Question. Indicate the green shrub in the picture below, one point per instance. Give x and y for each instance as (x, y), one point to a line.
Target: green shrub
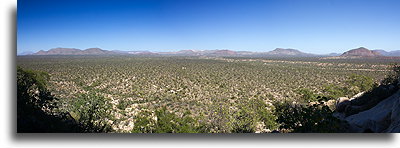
(306, 95)
(360, 83)
(334, 91)
(298, 118)
(163, 121)
(123, 104)
(91, 111)
(244, 121)
(219, 118)
(144, 123)
(264, 113)
(249, 114)
(32, 88)
(393, 76)
(355, 84)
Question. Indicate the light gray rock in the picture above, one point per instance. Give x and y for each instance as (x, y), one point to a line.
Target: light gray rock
(395, 118)
(357, 96)
(384, 117)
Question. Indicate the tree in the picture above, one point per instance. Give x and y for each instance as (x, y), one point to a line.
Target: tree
(91, 111)
(298, 118)
(306, 94)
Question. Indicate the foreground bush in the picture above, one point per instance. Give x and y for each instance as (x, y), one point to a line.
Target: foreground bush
(245, 116)
(92, 111)
(300, 118)
(31, 89)
(251, 114)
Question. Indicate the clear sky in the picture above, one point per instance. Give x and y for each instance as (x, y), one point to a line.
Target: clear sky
(314, 26)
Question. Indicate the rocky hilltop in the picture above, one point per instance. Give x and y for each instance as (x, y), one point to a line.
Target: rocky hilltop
(361, 52)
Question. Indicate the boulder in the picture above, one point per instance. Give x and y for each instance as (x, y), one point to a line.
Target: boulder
(331, 104)
(342, 103)
(395, 118)
(364, 101)
(384, 117)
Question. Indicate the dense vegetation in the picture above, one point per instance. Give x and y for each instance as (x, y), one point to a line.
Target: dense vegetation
(37, 108)
(190, 95)
(312, 118)
(35, 104)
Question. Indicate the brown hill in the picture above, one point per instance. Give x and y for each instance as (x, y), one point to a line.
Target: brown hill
(361, 52)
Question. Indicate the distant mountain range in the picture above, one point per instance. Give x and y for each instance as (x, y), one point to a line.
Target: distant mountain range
(386, 53)
(73, 51)
(278, 52)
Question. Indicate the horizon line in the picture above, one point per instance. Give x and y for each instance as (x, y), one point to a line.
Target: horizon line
(177, 50)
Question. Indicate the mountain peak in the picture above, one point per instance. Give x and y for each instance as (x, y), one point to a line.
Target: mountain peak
(361, 48)
(360, 52)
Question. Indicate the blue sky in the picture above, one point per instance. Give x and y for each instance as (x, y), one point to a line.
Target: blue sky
(314, 26)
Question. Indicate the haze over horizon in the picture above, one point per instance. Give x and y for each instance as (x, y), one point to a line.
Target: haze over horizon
(312, 26)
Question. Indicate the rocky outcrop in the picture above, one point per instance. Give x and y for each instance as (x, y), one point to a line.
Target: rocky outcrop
(374, 115)
(364, 100)
(384, 117)
(394, 127)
